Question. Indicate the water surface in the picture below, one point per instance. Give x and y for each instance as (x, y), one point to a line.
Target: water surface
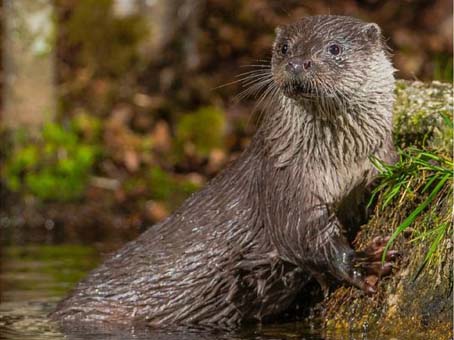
(34, 278)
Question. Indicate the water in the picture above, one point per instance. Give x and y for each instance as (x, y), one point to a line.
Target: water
(34, 278)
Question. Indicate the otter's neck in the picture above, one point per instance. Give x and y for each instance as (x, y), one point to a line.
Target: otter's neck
(338, 131)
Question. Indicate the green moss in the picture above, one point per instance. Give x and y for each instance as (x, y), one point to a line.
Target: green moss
(200, 132)
(419, 114)
(56, 167)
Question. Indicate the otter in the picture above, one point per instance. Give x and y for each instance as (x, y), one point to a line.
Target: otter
(243, 247)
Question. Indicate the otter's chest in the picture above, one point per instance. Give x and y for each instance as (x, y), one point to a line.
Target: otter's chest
(333, 183)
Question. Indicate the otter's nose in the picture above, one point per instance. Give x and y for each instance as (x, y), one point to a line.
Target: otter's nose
(297, 65)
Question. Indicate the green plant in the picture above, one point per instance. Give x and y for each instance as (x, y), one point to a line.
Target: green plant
(169, 189)
(161, 184)
(202, 131)
(443, 68)
(56, 167)
(424, 175)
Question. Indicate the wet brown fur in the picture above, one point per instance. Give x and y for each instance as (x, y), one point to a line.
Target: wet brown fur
(245, 245)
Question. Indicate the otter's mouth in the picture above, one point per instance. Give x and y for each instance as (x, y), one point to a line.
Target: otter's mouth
(299, 90)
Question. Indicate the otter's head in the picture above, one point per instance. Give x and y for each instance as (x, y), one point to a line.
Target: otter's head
(338, 57)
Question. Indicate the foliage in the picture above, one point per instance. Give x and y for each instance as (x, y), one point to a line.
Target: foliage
(418, 175)
(106, 43)
(423, 127)
(443, 68)
(200, 132)
(160, 183)
(164, 187)
(58, 166)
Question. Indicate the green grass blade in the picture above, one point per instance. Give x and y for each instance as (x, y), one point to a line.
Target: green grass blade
(433, 247)
(429, 183)
(447, 120)
(415, 213)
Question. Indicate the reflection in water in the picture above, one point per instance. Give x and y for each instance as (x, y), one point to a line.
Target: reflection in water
(34, 278)
(27, 320)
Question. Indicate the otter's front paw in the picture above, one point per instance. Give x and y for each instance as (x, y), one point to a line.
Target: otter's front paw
(369, 263)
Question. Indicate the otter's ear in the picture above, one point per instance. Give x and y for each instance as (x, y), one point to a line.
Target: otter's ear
(372, 31)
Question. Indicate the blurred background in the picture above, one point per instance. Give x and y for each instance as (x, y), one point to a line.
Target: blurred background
(112, 111)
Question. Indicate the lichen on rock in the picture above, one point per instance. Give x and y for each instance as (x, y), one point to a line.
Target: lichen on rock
(419, 114)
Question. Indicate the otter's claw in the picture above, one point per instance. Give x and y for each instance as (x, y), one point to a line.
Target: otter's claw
(369, 262)
(362, 269)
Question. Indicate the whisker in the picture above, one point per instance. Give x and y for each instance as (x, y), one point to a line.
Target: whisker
(253, 89)
(254, 72)
(244, 79)
(265, 96)
(257, 66)
(257, 83)
(268, 99)
(259, 69)
(263, 60)
(249, 81)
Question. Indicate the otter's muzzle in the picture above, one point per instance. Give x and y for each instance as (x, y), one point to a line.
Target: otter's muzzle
(296, 65)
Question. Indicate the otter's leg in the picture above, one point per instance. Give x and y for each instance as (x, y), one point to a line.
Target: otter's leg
(361, 269)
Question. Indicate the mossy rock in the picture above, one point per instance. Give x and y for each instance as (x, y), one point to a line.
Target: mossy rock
(416, 301)
(420, 114)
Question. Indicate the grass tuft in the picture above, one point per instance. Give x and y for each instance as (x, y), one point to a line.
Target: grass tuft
(423, 177)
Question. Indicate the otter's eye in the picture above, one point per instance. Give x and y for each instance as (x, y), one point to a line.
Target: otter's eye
(284, 49)
(334, 49)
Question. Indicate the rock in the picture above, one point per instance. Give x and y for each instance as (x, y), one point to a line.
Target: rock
(419, 114)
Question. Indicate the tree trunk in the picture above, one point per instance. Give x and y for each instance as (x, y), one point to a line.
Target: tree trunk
(28, 63)
(168, 21)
